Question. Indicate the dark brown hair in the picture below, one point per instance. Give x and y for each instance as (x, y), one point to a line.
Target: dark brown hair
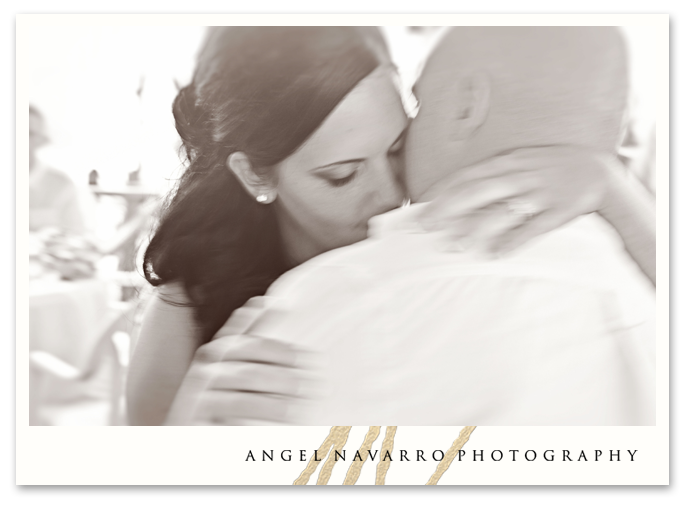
(261, 91)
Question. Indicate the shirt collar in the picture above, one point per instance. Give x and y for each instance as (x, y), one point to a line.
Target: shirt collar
(402, 219)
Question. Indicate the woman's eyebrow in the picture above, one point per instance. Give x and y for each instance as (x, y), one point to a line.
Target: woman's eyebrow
(341, 162)
(358, 160)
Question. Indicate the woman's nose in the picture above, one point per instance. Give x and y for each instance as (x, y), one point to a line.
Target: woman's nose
(387, 185)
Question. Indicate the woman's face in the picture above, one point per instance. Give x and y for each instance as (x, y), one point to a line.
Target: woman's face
(346, 173)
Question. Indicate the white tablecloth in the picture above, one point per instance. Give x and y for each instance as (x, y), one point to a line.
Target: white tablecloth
(65, 317)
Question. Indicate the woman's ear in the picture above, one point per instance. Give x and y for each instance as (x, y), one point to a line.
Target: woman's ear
(472, 103)
(259, 188)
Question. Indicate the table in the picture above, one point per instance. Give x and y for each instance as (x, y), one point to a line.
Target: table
(65, 317)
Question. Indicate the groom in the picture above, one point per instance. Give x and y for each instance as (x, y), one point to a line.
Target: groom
(410, 329)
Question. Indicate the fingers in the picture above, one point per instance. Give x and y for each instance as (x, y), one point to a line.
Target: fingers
(482, 228)
(248, 349)
(459, 202)
(261, 378)
(236, 408)
(532, 228)
(229, 392)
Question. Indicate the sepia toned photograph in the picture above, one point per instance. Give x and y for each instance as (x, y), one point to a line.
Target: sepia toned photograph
(341, 225)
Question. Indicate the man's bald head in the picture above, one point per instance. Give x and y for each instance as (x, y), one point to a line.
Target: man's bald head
(486, 90)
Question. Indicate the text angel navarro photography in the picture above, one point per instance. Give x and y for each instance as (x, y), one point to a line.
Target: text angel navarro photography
(439, 455)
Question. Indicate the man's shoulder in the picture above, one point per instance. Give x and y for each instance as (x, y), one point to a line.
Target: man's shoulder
(582, 257)
(328, 269)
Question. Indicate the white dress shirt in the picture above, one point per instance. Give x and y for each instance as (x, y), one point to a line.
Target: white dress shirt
(405, 332)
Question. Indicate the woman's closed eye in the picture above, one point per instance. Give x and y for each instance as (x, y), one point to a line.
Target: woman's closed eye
(341, 174)
(344, 180)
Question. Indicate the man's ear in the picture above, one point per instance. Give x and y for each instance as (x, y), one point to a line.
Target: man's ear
(472, 104)
(259, 188)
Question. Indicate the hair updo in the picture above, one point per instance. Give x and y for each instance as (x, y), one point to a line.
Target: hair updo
(261, 91)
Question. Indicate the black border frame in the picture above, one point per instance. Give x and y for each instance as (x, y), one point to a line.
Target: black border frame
(472, 491)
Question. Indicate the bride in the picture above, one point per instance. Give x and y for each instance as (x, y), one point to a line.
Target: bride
(293, 137)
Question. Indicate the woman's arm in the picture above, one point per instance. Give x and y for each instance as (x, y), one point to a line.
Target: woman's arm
(559, 184)
(167, 343)
(631, 210)
(175, 379)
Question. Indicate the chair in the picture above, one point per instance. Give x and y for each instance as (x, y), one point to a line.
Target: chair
(62, 394)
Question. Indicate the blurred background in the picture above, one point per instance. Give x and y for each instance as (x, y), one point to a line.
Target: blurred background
(104, 154)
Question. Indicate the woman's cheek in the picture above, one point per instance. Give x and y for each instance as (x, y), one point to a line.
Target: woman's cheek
(337, 215)
(351, 208)
(332, 215)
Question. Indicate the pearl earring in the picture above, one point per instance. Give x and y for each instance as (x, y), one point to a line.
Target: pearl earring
(263, 198)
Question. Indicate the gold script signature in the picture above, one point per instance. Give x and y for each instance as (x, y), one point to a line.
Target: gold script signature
(337, 438)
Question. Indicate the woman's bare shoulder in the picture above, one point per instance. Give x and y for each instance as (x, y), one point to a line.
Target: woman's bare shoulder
(170, 317)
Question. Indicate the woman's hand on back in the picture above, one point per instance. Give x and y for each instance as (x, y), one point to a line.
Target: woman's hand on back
(500, 204)
(239, 380)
